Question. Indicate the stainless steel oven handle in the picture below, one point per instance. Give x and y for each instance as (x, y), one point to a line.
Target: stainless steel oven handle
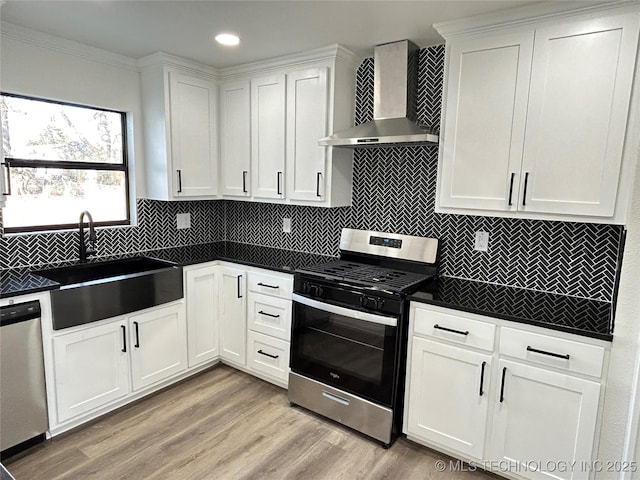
(335, 398)
(347, 312)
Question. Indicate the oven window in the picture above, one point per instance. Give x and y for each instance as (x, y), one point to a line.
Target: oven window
(354, 355)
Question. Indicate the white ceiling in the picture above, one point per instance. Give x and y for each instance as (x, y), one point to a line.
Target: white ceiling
(267, 28)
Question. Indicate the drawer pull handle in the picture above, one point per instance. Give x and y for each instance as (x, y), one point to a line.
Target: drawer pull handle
(239, 279)
(268, 354)
(484, 364)
(335, 398)
(459, 332)
(504, 376)
(260, 284)
(268, 314)
(551, 354)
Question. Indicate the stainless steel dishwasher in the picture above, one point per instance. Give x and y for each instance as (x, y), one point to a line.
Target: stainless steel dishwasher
(23, 399)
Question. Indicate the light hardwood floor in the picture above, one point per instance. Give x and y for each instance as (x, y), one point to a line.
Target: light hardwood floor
(224, 424)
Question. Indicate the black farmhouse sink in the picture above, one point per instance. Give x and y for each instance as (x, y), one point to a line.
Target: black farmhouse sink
(94, 291)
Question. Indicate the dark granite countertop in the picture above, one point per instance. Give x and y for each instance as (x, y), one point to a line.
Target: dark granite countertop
(591, 318)
(20, 281)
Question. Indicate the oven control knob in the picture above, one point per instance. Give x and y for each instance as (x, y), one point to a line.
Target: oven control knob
(372, 303)
(313, 290)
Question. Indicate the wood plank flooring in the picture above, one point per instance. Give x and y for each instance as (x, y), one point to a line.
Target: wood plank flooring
(224, 425)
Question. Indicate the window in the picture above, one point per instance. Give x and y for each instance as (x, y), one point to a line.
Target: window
(62, 159)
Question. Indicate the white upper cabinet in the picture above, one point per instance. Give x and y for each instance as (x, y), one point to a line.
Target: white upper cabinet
(535, 117)
(581, 79)
(235, 128)
(307, 93)
(180, 124)
(268, 136)
(272, 115)
(485, 121)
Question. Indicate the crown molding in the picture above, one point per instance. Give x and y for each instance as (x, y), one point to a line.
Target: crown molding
(528, 15)
(69, 47)
(328, 53)
(166, 59)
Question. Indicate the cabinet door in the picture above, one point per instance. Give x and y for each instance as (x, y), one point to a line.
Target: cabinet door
(202, 318)
(580, 88)
(233, 315)
(267, 136)
(486, 104)
(158, 342)
(194, 148)
(544, 415)
(91, 368)
(307, 99)
(235, 151)
(448, 413)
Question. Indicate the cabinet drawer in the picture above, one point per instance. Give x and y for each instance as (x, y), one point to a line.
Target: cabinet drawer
(556, 352)
(269, 315)
(268, 355)
(272, 285)
(446, 326)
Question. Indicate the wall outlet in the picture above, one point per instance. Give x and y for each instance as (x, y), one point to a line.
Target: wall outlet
(482, 241)
(286, 225)
(183, 220)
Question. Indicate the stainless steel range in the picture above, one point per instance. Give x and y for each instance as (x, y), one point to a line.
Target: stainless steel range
(349, 335)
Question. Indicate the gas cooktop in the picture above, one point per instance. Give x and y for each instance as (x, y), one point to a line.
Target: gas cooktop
(367, 275)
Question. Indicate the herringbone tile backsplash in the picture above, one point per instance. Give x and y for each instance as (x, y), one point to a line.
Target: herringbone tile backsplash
(394, 191)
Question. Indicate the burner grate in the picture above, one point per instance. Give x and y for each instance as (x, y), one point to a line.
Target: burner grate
(368, 275)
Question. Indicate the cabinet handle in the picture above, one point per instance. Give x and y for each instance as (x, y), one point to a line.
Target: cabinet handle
(137, 344)
(279, 183)
(551, 354)
(244, 181)
(459, 332)
(267, 285)
(268, 354)
(511, 188)
(484, 364)
(268, 314)
(179, 181)
(8, 192)
(504, 376)
(524, 195)
(124, 339)
(319, 174)
(238, 280)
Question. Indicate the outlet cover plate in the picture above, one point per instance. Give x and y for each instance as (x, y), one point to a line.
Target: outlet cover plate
(183, 220)
(286, 225)
(482, 241)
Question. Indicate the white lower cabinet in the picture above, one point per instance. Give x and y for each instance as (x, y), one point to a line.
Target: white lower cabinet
(447, 378)
(233, 315)
(98, 365)
(158, 342)
(91, 368)
(544, 416)
(201, 285)
(518, 402)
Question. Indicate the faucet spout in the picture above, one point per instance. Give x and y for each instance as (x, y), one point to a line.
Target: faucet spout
(85, 250)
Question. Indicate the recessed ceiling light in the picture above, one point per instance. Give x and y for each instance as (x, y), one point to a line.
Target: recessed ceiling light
(227, 39)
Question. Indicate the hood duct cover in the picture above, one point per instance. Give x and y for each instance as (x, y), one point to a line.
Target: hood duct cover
(395, 85)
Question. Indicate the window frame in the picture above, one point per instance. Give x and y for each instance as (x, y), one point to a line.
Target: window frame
(67, 165)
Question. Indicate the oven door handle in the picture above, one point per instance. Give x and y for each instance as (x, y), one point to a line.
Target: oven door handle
(346, 312)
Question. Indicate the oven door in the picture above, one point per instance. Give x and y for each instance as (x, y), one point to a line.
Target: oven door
(348, 349)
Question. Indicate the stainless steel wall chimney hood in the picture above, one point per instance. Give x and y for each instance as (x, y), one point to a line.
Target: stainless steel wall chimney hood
(395, 85)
